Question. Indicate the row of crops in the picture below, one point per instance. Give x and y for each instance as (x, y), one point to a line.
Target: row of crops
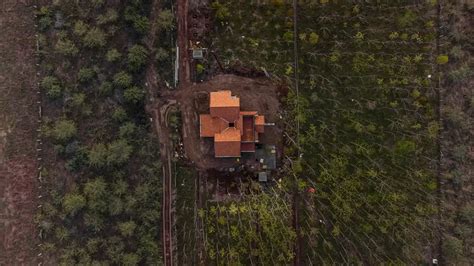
(366, 112)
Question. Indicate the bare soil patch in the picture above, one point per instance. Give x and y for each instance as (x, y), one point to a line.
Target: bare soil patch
(18, 124)
(255, 94)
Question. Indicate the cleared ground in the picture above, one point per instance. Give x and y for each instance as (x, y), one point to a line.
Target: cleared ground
(18, 123)
(255, 94)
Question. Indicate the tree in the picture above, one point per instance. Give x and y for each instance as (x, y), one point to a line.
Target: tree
(66, 47)
(127, 228)
(119, 152)
(86, 74)
(122, 80)
(127, 130)
(95, 191)
(98, 155)
(113, 55)
(166, 19)
(80, 28)
(130, 259)
(442, 59)
(73, 202)
(52, 87)
(110, 15)
(94, 38)
(64, 130)
(137, 56)
(452, 248)
(134, 94)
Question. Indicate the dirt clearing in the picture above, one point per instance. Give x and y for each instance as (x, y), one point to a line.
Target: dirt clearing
(255, 94)
(18, 124)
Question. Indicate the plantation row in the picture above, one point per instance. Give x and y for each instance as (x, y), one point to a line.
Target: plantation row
(103, 172)
(366, 115)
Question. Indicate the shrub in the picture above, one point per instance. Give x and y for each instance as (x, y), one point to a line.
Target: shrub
(64, 130)
(134, 95)
(137, 56)
(113, 55)
(73, 202)
(66, 47)
(95, 37)
(122, 79)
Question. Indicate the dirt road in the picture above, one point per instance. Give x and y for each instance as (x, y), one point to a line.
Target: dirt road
(18, 124)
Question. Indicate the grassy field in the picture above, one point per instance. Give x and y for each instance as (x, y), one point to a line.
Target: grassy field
(366, 113)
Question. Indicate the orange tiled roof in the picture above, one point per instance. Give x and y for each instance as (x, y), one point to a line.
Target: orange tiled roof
(211, 125)
(230, 139)
(224, 99)
(230, 134)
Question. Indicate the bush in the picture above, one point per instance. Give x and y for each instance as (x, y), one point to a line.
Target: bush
(73, 202)
(137, 56)
(66, 47)
(134, 95)
(64, 130)
(95, 37)
(122, 79)
(113, 55)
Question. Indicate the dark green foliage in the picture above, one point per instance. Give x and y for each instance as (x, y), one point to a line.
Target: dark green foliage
(86, 74)
(137, 57)
(94, 38)
(122, 80)
(134, 94)
(63, 130)
(52, 86)
(73, 203)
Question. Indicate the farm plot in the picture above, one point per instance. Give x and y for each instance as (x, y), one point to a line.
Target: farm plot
(18, 125)
(365, 118)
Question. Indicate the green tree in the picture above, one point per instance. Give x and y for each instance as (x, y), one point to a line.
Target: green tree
(452, 248)
(134, 94)
(86, 74)
(119, 152)
(95, 37)
(73, 202)
(127, 130)
(66, 47)
(130, 259)
(52, 87)
(137, 57)
(95, 191)
(122, 80)
(98, 155)
(80, 28)
(166, 19)
(64, 130)
(113, 55)
(127, 228)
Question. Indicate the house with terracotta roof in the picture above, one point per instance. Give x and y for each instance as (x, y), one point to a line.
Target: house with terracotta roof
(234, 131)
